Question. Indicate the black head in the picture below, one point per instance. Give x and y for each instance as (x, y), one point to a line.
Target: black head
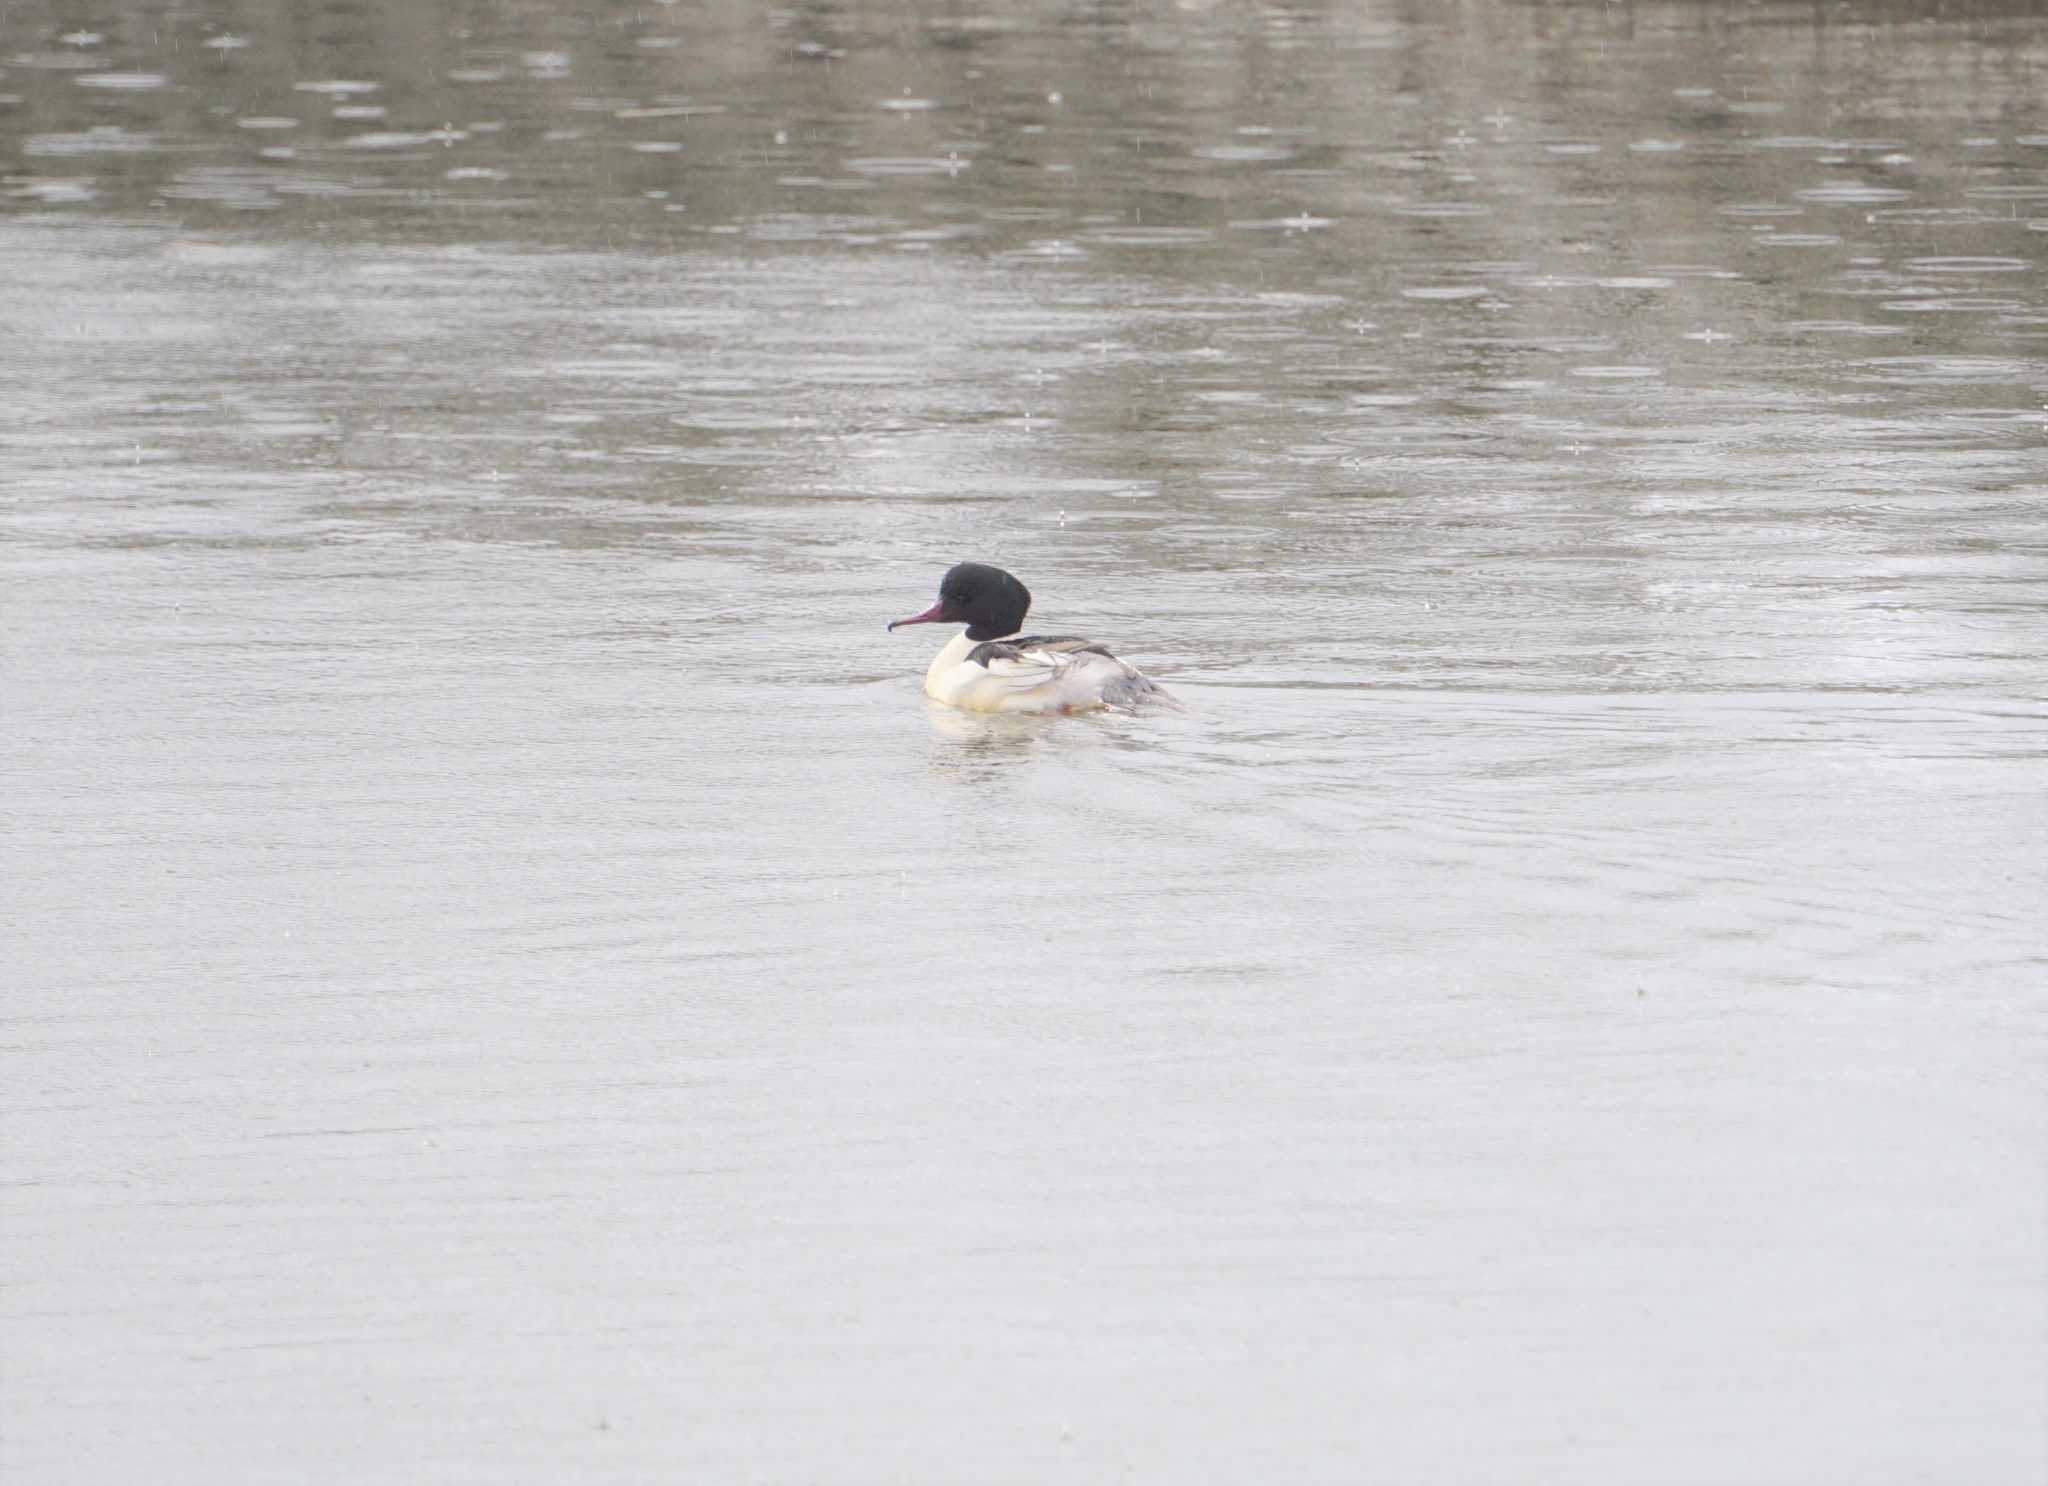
(987, 600)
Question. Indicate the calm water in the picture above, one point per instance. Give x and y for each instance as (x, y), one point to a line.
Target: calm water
(509, 981)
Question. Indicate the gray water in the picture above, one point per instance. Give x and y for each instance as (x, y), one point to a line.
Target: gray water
(508, 979)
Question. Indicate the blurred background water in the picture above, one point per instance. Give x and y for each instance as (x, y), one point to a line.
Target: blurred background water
(509, 980)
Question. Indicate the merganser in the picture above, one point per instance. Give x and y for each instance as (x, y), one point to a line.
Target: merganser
(992, 668)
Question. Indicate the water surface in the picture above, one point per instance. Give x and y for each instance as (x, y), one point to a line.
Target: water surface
(508, 980)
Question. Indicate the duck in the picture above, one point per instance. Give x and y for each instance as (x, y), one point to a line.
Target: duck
(991, 667)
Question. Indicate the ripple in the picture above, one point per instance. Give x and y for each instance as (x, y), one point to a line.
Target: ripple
(1617, 373)
(103, 139)
(2007, 193)
(906, 165)
(1053, 248)
(219, 254)
(1943, 369)
(1933, 216)
(1238, 154)
(1952, 304)
(1302, 223)
(670, 111)
(1841, 327)
(1851, 193)
(1443, 209)
(1248, 485)
(122, 82)
(1447, 291)
(737, 420)
(235, 187)
(55, 190)
(336, 87)
(1968, 265)
(1151, 237)
(312, 185)
(52, 61)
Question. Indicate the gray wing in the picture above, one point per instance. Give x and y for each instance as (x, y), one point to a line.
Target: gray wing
(990, 650)
(1030, 660)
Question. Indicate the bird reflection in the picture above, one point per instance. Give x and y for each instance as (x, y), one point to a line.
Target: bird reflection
(983, 747)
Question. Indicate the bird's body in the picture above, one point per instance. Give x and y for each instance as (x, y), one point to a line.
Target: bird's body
(1034, 673)
(989, 667)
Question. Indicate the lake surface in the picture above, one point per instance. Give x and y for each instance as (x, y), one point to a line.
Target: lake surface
(508, 979)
